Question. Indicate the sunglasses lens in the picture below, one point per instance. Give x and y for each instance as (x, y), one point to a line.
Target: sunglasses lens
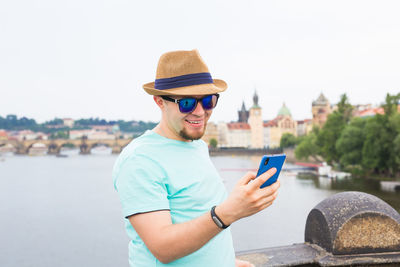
(209, 102)
(187, 105)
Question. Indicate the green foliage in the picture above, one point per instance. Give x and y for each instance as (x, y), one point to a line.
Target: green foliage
(396, 149)
(332, 129)
(288, 140)
(55, 121)
(390, 105)
(60, 135)
(135, 127)
(361, 145)
(345, 108)
(308, 147)
(93, 121)
(12, 123)
(213, 142)
(350, 143)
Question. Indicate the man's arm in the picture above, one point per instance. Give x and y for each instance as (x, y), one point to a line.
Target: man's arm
(169, 242)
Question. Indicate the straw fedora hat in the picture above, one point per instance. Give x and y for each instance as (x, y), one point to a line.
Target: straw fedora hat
(183, 73)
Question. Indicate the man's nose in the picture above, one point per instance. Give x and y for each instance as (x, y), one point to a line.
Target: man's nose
(199, 110)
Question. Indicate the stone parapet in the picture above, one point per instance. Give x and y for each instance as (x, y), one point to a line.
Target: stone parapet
(346, 229)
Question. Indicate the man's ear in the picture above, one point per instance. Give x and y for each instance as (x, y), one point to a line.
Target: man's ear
(159, 101)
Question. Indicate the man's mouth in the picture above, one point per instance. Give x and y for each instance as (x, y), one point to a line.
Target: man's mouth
(193, 122)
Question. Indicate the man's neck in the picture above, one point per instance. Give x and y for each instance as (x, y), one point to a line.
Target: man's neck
(166, 132)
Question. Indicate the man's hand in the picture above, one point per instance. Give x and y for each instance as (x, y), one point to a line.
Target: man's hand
(247, 198)
(240, 263)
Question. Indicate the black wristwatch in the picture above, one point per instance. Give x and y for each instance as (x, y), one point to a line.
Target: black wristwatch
(217, 220)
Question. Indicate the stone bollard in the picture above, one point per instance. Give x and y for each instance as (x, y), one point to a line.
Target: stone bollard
(354, 223)
(346, 229)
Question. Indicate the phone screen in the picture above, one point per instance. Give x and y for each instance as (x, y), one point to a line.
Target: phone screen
(268, 162)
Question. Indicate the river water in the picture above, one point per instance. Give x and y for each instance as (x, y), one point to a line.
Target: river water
(65, 212)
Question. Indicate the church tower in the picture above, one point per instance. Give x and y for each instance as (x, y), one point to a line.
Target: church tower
(256, 124)
(243, 114)
(321, 108)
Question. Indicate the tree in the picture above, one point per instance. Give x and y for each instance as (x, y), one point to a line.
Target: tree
(213, 142)
(380, 150)
(55, 121)
(60, 135)
(374, 154)
(288, 140)
(350, 143)
(391, 103)
(11, 122)
(332, 129)
(308, 147)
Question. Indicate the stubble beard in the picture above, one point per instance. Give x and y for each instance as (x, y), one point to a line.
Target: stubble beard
(185, 135)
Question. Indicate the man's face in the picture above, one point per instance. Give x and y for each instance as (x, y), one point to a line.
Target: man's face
(185, 126)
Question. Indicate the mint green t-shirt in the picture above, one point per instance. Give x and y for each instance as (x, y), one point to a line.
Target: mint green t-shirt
(157, 173)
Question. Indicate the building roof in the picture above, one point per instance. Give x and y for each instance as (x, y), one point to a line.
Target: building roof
(321, 101)
(304, 121)
(371, 112)
(271, 123)
(102, 127)
(243, 107)
(238, 126)
(255, 100)
(284, 111)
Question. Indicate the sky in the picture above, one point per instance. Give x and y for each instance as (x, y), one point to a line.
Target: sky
(90, 58)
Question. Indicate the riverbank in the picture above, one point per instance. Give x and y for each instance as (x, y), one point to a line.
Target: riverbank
(243, 151)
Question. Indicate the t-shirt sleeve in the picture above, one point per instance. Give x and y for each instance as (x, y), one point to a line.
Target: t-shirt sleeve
(139, 183)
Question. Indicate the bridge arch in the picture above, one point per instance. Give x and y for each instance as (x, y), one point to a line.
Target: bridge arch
(38, 148)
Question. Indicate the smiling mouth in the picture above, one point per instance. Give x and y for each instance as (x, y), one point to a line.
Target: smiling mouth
(193, 122)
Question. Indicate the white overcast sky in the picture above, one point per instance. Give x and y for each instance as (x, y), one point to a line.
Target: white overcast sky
(89, 58)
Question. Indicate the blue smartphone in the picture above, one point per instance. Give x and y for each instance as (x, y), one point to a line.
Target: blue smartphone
(268, 162)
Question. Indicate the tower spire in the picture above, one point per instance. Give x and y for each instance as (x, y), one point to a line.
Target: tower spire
(255, 99)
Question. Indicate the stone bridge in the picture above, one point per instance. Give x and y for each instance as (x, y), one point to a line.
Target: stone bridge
(54, 146)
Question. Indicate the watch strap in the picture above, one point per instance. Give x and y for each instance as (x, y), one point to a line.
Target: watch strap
(217, 220)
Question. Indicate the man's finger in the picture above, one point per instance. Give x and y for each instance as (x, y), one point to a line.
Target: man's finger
(247, 178)
(263, 178)
(268, 190)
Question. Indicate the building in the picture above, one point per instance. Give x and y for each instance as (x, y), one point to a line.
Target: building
(243, 114)
(29, 135)
(3, 135)
(281, 124)
(238, 134)
(321, 108)
(78, 134)
(304, 127)
(67, 122)
(256, 124)
(369, 112)
(255, 133)
(100, 135)
(250, 131)
(211, 133)
(91, 134)
(364, 111)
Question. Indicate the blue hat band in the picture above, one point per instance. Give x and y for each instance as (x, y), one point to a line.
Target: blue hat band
(183, 80)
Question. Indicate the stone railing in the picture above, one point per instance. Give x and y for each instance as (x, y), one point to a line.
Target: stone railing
(346, 229)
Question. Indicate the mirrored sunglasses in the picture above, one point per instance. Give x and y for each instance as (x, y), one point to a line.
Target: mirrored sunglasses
(189, 104)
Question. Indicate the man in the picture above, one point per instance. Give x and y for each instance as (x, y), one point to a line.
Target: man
(176, 208)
